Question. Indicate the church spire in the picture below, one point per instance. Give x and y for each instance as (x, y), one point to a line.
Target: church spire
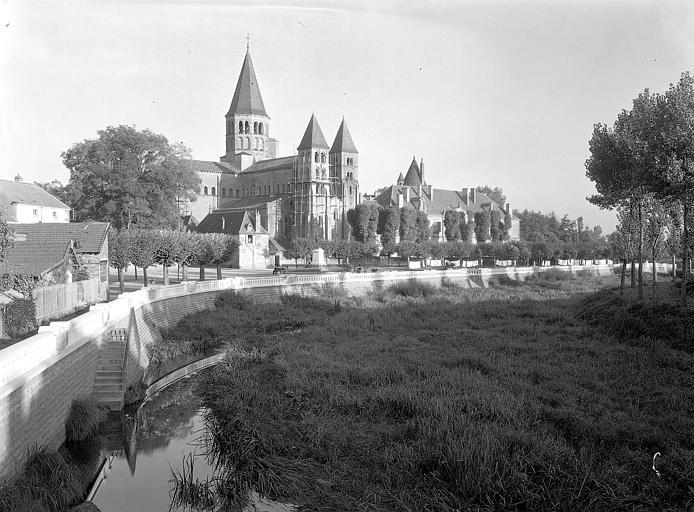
(247, 98)
(313, 136)
(343, 140)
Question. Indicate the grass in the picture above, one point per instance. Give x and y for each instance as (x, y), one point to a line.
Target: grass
(84, 419)
(508, 398)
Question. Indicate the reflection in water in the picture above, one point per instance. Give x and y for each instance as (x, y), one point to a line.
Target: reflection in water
(167, 435)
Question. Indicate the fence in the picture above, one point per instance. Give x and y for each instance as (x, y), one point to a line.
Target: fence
(61, 299)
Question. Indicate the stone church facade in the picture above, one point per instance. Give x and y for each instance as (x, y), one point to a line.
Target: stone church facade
(305, 195)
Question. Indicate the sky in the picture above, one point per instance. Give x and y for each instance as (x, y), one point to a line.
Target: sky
(493, 93)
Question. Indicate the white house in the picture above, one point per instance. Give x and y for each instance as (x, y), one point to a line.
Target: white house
(28, 203)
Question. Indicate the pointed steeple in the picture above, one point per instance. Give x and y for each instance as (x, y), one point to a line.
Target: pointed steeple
(247, 98)
(343, 140)
(413, 176)
(401, 180)
(313, 136)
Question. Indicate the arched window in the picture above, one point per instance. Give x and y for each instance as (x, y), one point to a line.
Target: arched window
(315, 157)
(255, 127)
(247, 144)
(240, 126)
(323, 174)
(239, 145)
(260, 128)
(237, 192)
(262, 145)
(350, 191)
(255, 144)
(322, 158)
(205, 191)
(317, 172)
(224, 192)
(283, 189)
(214, 191)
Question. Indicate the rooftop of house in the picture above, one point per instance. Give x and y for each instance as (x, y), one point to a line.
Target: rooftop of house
(230, 222)
(20, 192)
(88, 237)
(35, 258)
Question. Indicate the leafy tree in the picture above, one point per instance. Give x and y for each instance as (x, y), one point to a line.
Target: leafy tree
(452, 220)
(168, 248)
(497, 226)
(299, 248)
(421, 225)
(536, 226)
(482, 225)
(143, 248)
(119, 252)
(129, 177)
(363, 220)
(409, 249)
(408, 219)
(467, 229)
(495, 194)
(188, 247)
(658, 222)
(57, 189)
(389, 224)
(6, 238)
(222, 247)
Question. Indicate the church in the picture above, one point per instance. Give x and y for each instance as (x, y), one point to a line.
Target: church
(304, 195)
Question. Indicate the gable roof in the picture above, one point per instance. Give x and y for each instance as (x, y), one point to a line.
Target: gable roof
(231, 223)
(88, 236)
(343, 141)
(272, 164)
(414, 175)
(313, 136)
(13, 192)
(35, 257)
(247, 98)
(441, 201)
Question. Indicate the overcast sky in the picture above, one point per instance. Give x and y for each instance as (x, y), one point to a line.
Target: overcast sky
(497, 93)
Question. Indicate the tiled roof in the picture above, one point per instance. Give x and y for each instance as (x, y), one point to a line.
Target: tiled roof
(343, 141)
(313, 136)
(231, 223)
(206, 166)
(247, 98)
(248, 203)
(88, 236)
(34, 257)
(25, 193)
(442, 199)
(414, 175)
(272, 164)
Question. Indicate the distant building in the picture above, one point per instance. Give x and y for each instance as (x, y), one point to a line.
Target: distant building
(254, 240)
(29, 203)
(302, 195)
(413, 190)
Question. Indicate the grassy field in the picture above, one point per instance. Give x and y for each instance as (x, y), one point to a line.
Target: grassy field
(547, 395)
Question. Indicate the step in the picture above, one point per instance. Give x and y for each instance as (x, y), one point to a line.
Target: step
(109, 380)
(109, 395)
(103, 372)
(108, 386)
(110, 367)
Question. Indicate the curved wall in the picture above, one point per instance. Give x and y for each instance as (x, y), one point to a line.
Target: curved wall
(42, 375)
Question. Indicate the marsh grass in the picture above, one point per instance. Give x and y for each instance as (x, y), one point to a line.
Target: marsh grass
(84, 419)
(506, 398)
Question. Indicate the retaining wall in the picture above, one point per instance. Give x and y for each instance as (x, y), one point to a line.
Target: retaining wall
(42, 375)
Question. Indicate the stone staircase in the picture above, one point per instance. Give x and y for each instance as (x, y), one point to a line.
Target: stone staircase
(108, 387)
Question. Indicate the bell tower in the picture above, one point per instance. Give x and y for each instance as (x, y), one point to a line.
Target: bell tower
(313, 183)
(247, 122)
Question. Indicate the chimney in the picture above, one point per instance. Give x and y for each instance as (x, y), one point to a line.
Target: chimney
(508, 208)
(257, 220)
(401, 202)
(421, 169)
(18, 178)
(473, 196)
(464, 193)
(407, 194)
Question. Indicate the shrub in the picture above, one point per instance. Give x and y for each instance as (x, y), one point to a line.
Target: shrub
(20, 317)
(413, 288)
(135, 393)
(84, 419)
(233, 300)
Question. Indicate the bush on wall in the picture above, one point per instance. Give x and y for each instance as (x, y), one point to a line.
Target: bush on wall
(19, 317)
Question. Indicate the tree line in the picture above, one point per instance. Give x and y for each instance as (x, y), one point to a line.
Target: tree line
(146, 247)
(643, 167)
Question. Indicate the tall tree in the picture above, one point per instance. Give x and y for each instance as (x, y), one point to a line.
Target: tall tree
(6, 238)
(119, 252)
(129, 177)
(495, 194)
(421, 223)
(363, 219)
(408, 219)
(389, 225)
(451, 225)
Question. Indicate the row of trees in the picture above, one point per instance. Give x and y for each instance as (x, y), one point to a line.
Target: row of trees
(643, 166)
(542, 227)
(146, 247)
(521, 251)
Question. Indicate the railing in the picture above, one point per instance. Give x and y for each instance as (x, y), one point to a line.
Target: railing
(59, 299)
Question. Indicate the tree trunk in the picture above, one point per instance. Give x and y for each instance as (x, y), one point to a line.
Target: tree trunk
(202, 272)
(640, 290)
(165, 272)
(633, 273)
(623, 278)
(120, 279)
(135, 272)
(674, 267)
(219, 271)
(685, 253)
(185, 271)
(144, 275)
(655, 274)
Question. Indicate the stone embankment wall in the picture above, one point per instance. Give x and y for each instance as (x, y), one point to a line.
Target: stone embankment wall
(42, 375)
